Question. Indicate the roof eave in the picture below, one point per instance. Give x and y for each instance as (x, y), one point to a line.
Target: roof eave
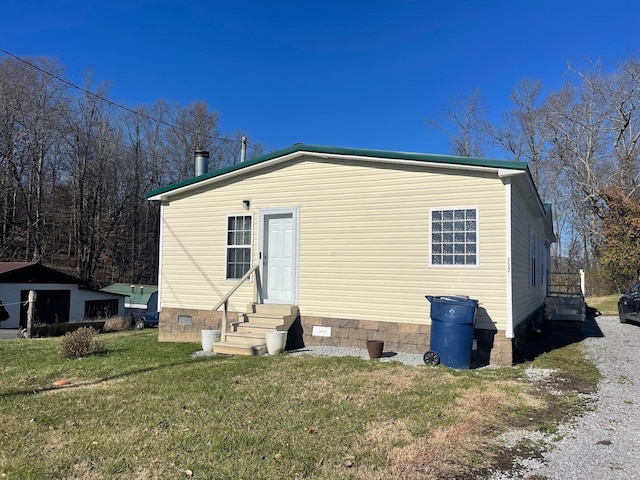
(398, 158)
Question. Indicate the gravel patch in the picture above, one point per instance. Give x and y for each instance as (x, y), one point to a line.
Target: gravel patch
(538, 374)
(603, 443)
(411, 359)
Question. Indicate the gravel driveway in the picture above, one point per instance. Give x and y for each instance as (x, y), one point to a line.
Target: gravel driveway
(603, 443)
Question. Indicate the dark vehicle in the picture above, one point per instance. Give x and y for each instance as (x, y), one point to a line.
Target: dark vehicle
(629, 305)
(148, 320)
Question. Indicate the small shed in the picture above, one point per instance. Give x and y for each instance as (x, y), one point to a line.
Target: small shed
(59, 297)
(137, 298)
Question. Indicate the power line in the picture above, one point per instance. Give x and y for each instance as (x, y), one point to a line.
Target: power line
(105, 99)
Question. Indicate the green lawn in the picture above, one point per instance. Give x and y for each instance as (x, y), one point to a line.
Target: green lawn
(147, 410)
(606, 305)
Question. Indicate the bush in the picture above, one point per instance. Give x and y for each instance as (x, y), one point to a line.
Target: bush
(599, 283)
(116, 324)
(80, 343)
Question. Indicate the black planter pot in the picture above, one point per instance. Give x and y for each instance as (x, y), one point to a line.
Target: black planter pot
(375, 347)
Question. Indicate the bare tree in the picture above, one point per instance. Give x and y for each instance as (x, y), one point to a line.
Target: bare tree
(577, 132)
(46, 101)
(525, 135)
(31, 104)
(466, 126)
(524, 130)
(195, 127)
(134, 250)
(620, 95)
(95, 175)
(13, 94)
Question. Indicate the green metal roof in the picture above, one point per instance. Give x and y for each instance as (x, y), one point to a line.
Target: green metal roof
(357, 152)
(124, 289)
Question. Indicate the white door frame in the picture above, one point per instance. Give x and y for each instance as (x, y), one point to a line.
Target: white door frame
(262, 237)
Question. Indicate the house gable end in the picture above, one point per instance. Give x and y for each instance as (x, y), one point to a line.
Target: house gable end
(335, 153)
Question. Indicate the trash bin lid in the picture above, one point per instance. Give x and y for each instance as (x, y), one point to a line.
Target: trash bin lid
(452, 299)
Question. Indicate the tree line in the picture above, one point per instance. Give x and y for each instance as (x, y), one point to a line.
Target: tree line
(581, 144)
(74, 168)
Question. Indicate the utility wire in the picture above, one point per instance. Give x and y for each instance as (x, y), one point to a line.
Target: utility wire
(104, 99)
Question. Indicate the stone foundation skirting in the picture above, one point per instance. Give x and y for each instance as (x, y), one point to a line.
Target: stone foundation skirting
(185, 325)
(493, 348)
(398, 337)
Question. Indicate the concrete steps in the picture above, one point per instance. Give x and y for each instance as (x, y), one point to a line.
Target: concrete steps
(248, 337)
(230, 348)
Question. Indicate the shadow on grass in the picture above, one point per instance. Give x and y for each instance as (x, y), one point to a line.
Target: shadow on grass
(556, 334)
(129, 373)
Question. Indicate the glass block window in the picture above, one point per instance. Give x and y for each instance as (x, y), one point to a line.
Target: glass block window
(239, 233)
(454, 237)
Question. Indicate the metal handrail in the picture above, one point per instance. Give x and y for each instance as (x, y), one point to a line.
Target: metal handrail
(575, 288)
(224, 302)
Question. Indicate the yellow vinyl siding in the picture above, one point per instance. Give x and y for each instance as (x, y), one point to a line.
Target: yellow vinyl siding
(364, 239)
(526, 298)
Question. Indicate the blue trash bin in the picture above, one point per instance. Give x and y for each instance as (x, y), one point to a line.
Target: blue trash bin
(452, 326)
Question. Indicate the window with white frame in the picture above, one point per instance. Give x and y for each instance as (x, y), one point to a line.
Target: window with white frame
(239, 232)
(454, 237)
(540, 261)
(535, 271)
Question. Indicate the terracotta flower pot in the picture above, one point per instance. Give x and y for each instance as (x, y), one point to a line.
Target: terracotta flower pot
(375, 347)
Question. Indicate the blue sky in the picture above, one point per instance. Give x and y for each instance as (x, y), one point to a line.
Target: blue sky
(341, 73)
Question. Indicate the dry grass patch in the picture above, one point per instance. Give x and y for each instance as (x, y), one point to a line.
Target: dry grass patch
(356, 385)
(75, 383)
(398, 379)
(116, 324)
(389, 434)
(441, 453)
(426, 423)
(477, 407)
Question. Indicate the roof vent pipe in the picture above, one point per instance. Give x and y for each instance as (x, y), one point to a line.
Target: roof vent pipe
(202, 162)
(243, 151)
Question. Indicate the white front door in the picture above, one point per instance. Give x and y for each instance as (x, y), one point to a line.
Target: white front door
(278, 255)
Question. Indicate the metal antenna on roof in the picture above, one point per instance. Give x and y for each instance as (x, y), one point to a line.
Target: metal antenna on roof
(243, 151)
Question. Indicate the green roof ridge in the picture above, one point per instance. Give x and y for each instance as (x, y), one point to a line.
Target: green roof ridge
(301, 147)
